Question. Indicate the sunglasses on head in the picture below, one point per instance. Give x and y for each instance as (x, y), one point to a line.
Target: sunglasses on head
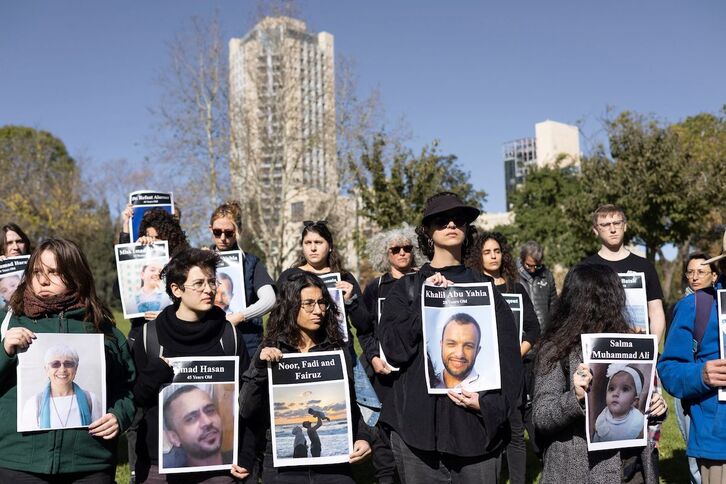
(310, 223)
(227, 233)
(66, 364)
(397, 249)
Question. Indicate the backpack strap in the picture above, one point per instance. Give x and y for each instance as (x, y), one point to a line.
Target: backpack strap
(703, 301)
(6, 323)
(151, 339)
(229, 340)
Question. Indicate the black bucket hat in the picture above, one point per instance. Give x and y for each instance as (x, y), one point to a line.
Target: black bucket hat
(448, 202)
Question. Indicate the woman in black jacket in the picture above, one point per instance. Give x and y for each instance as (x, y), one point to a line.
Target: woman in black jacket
(303, 320)
(491, 255)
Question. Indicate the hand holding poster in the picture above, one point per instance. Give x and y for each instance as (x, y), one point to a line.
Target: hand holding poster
(143, 201)
(622, 367)
(198, 415)
(230, 282)
(722, 334)
(61, 382)
(636, 300)
(310, 409)
(138, 267)
(460, 336)
(11, 271)
(515, 304)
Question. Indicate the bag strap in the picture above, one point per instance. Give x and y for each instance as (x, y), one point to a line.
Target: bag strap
(229, 340)
(703, 301)
(151, 339)
(6, 323)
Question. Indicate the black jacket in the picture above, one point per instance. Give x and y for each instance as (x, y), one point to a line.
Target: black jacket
(433, 422)
(179, 339)
(530, 322)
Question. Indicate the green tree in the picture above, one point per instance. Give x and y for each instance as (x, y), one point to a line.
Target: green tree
(393, 187)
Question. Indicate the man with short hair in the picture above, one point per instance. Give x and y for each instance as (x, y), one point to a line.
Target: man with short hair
(609, 225)
(193, 426)
(538, 281)
(460, 346)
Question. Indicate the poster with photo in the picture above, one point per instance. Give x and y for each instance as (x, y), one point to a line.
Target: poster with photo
(230, 282)
(198, 415)
(11, 272)
(138, 268)
(721, 296)
(636, 300)
(61, 382)
(515, 304)
(143, 201)
(622, 366)
(310, 409)
(460, 337)
(330, 279)
(380, 348)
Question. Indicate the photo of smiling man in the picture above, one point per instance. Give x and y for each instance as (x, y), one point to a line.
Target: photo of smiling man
(460, 346)
(193, 428)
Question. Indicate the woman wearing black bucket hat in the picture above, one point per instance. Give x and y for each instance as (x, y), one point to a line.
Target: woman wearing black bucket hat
(454, 437)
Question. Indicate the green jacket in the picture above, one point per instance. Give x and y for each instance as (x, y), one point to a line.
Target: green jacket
(68, 450)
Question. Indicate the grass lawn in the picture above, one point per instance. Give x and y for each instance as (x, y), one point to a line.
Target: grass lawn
(673, 462)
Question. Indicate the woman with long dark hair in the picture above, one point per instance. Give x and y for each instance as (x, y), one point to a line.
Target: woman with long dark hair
(492, 256)
(303, 320)
(57, 295)
(592, 301)
(13, 241)
(458, 436)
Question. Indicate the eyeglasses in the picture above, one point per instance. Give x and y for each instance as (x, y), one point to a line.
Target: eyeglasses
(309, 305)
(227, 233)
(532, 267)
(699, 273)
(310, 223)
(398, 248)
(618, 224)
(198, 286)
(69, 364)
(443, 220)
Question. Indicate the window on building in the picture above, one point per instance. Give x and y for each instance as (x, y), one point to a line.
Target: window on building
(297, 211)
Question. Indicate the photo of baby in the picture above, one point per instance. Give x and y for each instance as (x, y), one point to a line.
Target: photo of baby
(617, 401)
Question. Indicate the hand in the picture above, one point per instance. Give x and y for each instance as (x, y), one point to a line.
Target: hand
(439, 280)
(270, 354)
(347, 289)
(2, 257)
(658, 405)
(380, 366)
(361, 450)
(714, 373)
(145, 240)
(151, 315)
(465, 399)
(236, 318)
(581, 381)
(106, 427)
(239, 472)
(17, 340)
(126, 215)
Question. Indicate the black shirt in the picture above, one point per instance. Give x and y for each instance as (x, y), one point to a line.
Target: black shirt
(633, 263)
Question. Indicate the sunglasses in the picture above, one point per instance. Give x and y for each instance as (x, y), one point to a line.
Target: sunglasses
(397, 249)
(227, 233)
(66, 364)
(443, 220)
(310, 223)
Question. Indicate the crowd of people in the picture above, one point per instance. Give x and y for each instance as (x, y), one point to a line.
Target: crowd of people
(413, 435)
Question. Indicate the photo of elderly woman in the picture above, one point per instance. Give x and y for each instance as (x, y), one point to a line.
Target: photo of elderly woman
(60, 381)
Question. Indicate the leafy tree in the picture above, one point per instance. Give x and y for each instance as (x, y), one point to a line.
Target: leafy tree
(393, 191)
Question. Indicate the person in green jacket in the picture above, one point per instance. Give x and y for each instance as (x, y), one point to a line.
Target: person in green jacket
(57, 295)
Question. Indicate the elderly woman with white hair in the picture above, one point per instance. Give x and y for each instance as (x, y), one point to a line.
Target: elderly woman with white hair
(61, 403)
(392, 253)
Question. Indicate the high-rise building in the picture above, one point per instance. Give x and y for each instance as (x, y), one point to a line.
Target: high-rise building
(553, 143)
(282, 115)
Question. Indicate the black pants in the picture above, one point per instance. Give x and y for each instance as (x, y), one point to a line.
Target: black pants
(107, 476)
(383, 459)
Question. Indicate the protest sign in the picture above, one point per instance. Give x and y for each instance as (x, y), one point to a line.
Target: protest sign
(144, 200)
(515, 304)
(230, 282)
(11, 272)
(138, 268)
(636, 300)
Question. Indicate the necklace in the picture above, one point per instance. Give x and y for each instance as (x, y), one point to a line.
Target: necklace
(70, 407)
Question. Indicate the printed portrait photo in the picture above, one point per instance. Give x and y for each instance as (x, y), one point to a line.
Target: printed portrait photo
(311, 423)
(617, 401)
(197, 427)
(61, 382)
(337, 296)
(230, 289)
(142, 289)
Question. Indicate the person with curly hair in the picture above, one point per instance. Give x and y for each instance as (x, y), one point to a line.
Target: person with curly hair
(592, 301)
(303, 320)
(394, 253)
(225, 226)
(458, 436)
(492, 256)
